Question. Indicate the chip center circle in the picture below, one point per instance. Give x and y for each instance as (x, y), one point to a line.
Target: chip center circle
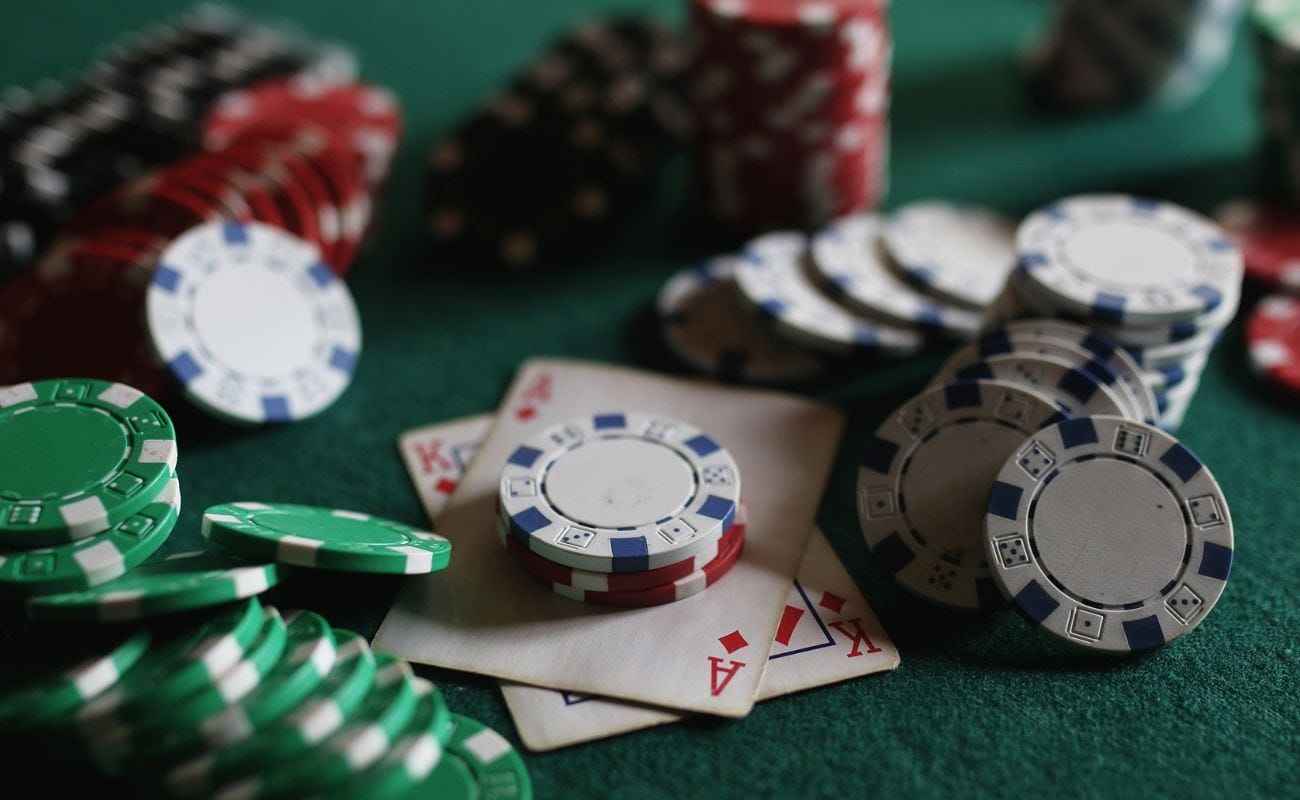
(332, 528)
(254, 321)
(1109, 532)
(59, 451)
(946, 498)
(620, 483)
(1098, 250)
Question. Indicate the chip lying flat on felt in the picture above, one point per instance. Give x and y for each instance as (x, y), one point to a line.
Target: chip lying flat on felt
(325, 538)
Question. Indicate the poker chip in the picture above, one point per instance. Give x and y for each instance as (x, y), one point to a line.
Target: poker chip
(1108, 534)
(496, 767)
(93, 454)
(180, 582)
(73, 667)
(184, 660)
(619, 492)
(386, 711)
(98, 559)
(1122, 259)
(1273, 338)
(962, 254)
(413, 757)
(924, 478)
(849, 258)
(583, 580)
(773, 277)
(287, 736)
(706, 325)
(325, 538)
(680, 589)
(250, 322)
(1073, 389)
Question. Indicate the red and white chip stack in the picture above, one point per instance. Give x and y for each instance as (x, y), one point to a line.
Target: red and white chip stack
(791, 107)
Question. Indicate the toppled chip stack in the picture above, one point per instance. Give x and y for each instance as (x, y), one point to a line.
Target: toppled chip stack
(551, 163)
(1159, 279)
(790, 104)
(1100, 56)
(623, 509)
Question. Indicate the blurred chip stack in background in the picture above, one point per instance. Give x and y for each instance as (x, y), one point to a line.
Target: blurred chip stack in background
(1107, 55)
(1277, 42)
(136, 107)
(790, 103)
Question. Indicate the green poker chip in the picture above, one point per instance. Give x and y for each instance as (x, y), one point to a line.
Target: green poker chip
(452, 779)
(128, 745)
(329, 707)
(325, 538)
(383, 715)
(498, 769)
(80, 456)
(98, 559)
(412, 758)
(190, 656)
(181, 582)
(60, 670)
(309, 653)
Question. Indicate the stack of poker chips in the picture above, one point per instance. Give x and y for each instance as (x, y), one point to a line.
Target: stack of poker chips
(791, 308)
(790, 103)
(1108, 55)
(1099, 529)
(624, 509)
(553, 161)
(1160, 280)
(138, 106)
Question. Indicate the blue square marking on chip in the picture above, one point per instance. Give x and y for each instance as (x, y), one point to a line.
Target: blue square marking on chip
(1144, 634)
(715, 507)
(994, 343)
(1034, 603)
(1182, 461)
(772, 308)
(1216, 561)
(166, 278)
(1079, 386)
(631, 553)
(185, 367)
(963, 394)
(1101, 346)
(892, 553)
(321, 275)
(529, 520)
(702, 445)
(922, 274)
(524, 457)
(602, 422)
(275, 408)
(977, 371)
(234, 233)
(1004, 500)
(1077, 432)
(343, 360)
(879, 455)
(1108, 307)
(1211, 298)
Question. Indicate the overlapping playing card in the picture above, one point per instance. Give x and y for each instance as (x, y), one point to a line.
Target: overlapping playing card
(784, 618)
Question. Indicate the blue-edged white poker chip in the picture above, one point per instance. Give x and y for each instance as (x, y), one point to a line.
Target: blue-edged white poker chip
(962, 254)
(924, 479)
(1109, 534)
(252, 322)
(619, 492)
(1128, 260)
(1074, 389)
(773, 276)
(847, 254)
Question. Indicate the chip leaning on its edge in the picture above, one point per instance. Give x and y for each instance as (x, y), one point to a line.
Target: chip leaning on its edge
(1109, 534)
(925, 477)
(619, 492)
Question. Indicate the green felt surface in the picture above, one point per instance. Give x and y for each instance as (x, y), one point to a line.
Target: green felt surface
(980, 704)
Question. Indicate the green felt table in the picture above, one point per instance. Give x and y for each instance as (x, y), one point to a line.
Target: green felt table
(981, 704)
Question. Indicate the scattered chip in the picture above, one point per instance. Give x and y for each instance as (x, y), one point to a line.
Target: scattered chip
(962, 254)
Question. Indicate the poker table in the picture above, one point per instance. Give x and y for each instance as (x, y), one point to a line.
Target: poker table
(980, 704)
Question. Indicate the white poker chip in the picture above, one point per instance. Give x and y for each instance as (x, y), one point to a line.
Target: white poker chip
(254, 325)
(705, 323)
(924, 479)
(847, 253)
(962, 254)
(1075, 391)
(1128, 260)
(774, 278)
(619, 492)
(1108, 534)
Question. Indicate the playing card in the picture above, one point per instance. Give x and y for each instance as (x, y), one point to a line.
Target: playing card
(438, 455)
(485, 614)
(827, 634)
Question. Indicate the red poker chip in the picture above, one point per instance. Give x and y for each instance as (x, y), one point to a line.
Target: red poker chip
(552, 572)
(1269, 238)
(249, 174)
(80, 311)
(680, 589)
(367, 120)
(195, 178)
(152, 203)
(1273, 339)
